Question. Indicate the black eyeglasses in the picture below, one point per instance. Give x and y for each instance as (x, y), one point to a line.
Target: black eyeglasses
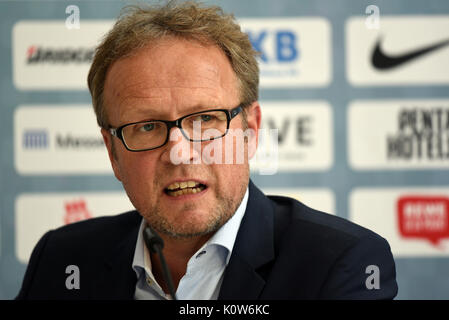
(196, 127)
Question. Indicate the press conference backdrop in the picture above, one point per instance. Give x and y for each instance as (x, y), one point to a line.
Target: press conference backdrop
(358, 90)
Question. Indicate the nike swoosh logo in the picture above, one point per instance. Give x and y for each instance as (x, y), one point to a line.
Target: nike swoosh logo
(383, 61)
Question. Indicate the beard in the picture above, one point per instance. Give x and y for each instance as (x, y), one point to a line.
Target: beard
(192, 228)
(183, 227)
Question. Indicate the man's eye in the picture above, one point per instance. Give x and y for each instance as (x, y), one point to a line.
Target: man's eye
(147, 127)
(204, 118)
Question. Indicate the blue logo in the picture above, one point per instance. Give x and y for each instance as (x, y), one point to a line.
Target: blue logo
(35, 139)
(293, 51)
(285, 45)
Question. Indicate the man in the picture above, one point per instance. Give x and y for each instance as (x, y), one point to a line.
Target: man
(167, 83)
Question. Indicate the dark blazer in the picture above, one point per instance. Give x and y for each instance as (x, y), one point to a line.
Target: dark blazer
(283, 250)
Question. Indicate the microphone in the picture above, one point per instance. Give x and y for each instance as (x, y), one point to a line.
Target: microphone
(155, 243)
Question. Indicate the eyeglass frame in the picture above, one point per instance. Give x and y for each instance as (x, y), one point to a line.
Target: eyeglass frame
(230, 114)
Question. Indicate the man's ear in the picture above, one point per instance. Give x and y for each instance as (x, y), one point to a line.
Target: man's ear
(254, 118)
(107, 138)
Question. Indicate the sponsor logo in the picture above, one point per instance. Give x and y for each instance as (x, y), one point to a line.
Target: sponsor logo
(383, 61)
(425, 217)
(60, 51)
(286, 46)
(76, 211)
(304, 134)
(37, 213)
(59, 139)
(37, 54)
(293, 51)
(39, 139)
(391, 134)
(68, 141)
(35, 139)
(406, 50)
(423, 133)
(414, 220)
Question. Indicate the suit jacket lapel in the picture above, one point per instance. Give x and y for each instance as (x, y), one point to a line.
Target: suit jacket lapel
(253, 248)
(117, 280)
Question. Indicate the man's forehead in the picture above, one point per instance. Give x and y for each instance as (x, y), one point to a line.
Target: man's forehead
(153, 98)
(171, 60)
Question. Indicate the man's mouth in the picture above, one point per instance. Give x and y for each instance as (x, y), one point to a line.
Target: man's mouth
(177, 189)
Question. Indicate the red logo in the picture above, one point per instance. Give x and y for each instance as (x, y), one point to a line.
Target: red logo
(76, 211)
(425, 217)
(31, 51)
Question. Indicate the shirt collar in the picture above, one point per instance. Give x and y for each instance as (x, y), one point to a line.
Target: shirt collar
(225, 237)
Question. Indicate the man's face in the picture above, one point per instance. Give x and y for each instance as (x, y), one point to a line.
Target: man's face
(166, 81)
